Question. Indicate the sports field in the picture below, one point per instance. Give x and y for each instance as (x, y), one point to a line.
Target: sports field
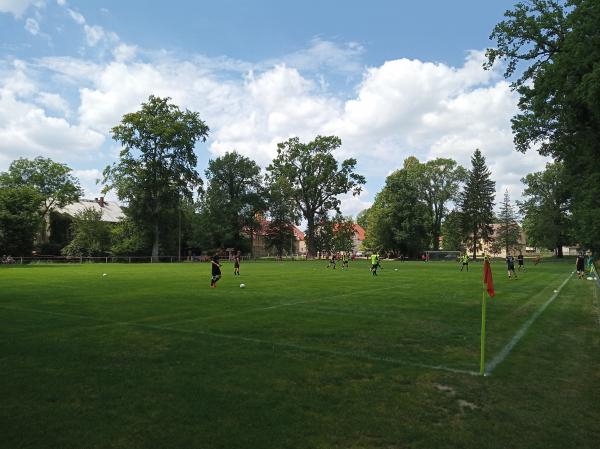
(149, 356)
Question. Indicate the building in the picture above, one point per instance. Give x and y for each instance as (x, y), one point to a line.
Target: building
(358, 238)
(260, 248)
(60, 219)
(497, 250)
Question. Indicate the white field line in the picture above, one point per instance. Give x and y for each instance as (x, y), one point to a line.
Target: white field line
(499, 358)
(272, 344)
(278, 306)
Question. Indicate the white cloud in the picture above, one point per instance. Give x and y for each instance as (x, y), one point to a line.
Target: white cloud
(54, 103)
(88, 179)
(28, 131)
(401, 108)
(16, 7)
(32, 26)
(323, 54)
(94, 34)
(77, 17)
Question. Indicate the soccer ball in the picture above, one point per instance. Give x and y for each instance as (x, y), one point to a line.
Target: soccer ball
(395, 269)
(104, 274)
(242, 285)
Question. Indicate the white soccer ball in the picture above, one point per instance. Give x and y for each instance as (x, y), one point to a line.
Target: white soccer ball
(104, 274)
(395, 269)
(242, 285)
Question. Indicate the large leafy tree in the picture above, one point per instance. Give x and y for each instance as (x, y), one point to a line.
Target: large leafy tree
(547, 221)
(477, 203)
(441, 181)
(234, 196)
(558, 43)
(508, 233)
(400, 218)
(283, 215)
(157, 165)
(52, 180)
(19, 219)
(316, 178)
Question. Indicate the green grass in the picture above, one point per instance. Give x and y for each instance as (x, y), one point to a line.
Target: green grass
(303, 357)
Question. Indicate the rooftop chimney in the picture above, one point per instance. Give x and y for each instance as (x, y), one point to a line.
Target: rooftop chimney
(101, 201)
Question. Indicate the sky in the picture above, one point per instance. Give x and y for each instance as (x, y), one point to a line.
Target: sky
(392, 79)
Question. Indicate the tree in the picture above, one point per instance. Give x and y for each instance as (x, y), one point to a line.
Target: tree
(545, 208)
(508, 233)
(19, 219)
(316, 178)
(362, 218)
(324, 237)
(91, 235)
(343, 234)
(52, 180)
(127, 239)
(234, 196)
(559, 89)
(283, 215)
(477, 203)
(157, 165)
(400, 218)
(441, 181)
(452, 233)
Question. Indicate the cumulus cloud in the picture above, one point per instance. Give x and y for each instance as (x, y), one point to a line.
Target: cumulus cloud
(17, 7)
(401, 108)
(26, 130)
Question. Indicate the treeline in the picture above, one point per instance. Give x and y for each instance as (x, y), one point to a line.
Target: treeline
(411, 214)
(167, 204)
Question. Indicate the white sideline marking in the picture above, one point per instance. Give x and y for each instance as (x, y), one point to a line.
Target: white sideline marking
(499, 358)
(349, 354)
(278, 306)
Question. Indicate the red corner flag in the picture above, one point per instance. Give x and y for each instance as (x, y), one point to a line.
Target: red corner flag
(487, 278)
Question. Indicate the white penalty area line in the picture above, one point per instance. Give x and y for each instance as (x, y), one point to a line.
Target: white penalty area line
(258, 341)
(506, 350)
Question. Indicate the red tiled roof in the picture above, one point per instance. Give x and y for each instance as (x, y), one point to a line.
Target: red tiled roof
(298, 233)
(358, 229)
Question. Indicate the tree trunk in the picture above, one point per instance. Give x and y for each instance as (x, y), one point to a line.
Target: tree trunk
(559, 252)
(155, 245)
(474, 245)
(310, 237)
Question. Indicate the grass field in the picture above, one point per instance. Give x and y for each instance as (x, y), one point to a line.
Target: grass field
(304, 357)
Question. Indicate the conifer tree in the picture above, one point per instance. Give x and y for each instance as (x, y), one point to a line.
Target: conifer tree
(477, 203)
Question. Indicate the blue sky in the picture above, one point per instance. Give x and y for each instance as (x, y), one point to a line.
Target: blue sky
(392, 79)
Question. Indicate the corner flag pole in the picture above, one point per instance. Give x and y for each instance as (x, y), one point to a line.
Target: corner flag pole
(482, 345)
(489, 286)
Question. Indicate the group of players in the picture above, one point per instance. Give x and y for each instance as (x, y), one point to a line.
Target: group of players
(510, 263)
(375, 265)
(580, 264)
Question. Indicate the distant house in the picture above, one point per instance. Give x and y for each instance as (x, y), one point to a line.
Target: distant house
(111, 211)
(358, 238)
(260, 248)
(59, 223)
(520, 247)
